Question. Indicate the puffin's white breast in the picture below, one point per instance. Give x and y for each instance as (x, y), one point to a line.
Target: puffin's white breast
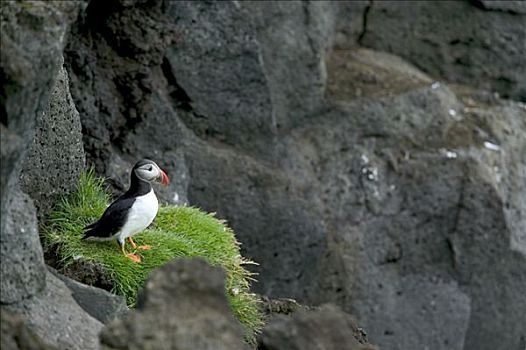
(141, 214)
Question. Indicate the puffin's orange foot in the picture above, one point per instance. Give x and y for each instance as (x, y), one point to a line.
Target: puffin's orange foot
(145, 247)
(134, 258)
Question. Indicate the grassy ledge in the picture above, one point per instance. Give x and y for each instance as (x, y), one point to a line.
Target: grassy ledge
(176, 232)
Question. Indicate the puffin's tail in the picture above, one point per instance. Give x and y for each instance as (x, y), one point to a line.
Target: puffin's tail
(90, 230)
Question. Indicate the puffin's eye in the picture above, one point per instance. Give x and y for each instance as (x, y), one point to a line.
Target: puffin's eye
(150, 168)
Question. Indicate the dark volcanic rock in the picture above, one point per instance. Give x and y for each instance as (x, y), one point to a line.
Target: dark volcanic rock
(347, 173)
(16, 335)
(480, 43)
(88, 272)
(23, 268)
(403, 243)
(32, 38)
(216, 62)
(293, 37)
(55, 316)
(364, 73)
(272, 214)
(183, 307)
(281, 306)
(137, 105)
(327, 328)
(100, 304)
(115, 60)
(56, 157)
(512, 6)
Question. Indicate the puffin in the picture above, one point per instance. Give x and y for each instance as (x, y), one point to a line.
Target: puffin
(133, 211)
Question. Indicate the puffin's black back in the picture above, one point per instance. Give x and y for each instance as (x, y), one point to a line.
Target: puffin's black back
(111, 221)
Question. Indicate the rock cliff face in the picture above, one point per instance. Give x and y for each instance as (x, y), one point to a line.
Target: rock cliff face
(56, 156)
(348, 173)
(358, 149)
(32, 41)
(33, 37)
(480, 43)
(325, 328)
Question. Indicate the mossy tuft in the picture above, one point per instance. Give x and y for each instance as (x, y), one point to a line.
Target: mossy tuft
(178, 231)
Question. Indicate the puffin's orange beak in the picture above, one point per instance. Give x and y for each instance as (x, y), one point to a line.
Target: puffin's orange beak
(165, 180)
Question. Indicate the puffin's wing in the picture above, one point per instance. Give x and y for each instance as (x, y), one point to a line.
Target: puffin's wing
(91, 225)
(111, 221)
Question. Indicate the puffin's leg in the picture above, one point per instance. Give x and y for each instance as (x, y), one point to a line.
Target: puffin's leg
(121, 245)
(143, 247)
(132, 243)
(132, 256)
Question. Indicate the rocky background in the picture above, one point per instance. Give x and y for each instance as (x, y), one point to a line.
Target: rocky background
(368, 154)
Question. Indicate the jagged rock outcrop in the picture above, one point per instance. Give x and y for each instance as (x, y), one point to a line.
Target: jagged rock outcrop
(56, 317)
(98, 303)
(16, 335)
(326, 328)
(56, 157)
(32, 38)
(183, 307)
(115, 60)
(33, 35)
(293, 38)
(281, 306)
(23, 268)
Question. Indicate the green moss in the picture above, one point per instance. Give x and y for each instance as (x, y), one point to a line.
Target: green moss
(177, 232)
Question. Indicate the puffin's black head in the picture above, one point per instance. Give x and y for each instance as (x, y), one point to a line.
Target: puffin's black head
(147, 170)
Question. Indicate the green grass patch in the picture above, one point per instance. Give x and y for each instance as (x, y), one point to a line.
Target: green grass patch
(178, 231)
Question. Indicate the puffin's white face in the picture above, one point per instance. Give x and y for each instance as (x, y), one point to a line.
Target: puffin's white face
(151, 171)
(148, 172)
